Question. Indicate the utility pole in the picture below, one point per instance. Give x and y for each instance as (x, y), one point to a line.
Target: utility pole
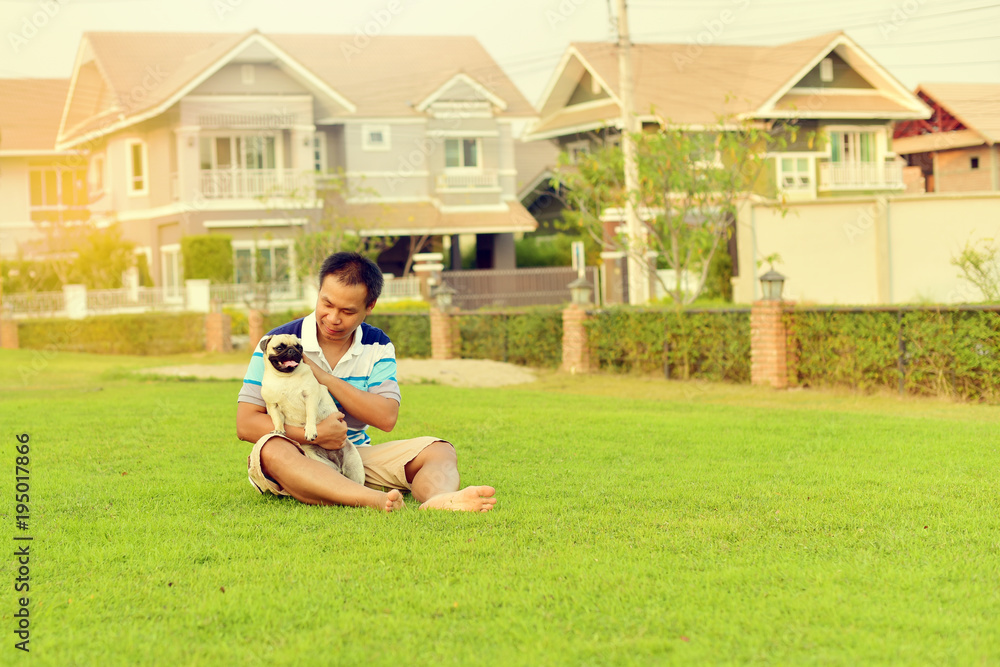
(635, 256)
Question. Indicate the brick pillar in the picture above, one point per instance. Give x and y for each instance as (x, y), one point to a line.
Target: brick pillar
(255, 321)
(769, 363)
(8, 335)
(218, 330)
(444, 334)
(575, 350)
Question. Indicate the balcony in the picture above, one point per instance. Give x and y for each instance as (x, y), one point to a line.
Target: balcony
(472, 180)
(256, 183)
(861, 176)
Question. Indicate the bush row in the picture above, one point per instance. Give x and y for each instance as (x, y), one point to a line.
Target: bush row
(530, 338)
(149, 334)
(937, 352)
(709, 345)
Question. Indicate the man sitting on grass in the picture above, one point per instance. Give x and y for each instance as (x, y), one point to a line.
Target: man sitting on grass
(357, 364)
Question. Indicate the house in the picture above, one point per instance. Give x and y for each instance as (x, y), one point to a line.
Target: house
(42, 191)
(842, 102)
(247, 135)
(955, 150)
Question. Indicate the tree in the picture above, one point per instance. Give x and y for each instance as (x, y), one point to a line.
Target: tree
(102, 257)
(338, 228)
(979, 266)
(691, 183)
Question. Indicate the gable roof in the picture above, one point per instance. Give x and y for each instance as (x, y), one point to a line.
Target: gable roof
(977, 105)
(688, 85)
(386, 78)
(29, 116)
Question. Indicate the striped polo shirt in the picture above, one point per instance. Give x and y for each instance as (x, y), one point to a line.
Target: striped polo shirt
(369, 365)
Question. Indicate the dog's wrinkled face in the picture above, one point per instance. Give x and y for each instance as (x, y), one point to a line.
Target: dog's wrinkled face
(284, 351)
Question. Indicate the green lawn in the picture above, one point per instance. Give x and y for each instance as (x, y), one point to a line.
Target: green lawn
(640, 522)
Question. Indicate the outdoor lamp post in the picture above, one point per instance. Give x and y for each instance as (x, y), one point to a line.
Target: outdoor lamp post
(772, 283)
(442, 296)
(579, 292)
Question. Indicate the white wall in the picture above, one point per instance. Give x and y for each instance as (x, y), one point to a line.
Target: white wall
(866, 250)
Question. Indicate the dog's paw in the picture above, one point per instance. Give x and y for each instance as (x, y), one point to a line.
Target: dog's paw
(277, 431)
(311, 435)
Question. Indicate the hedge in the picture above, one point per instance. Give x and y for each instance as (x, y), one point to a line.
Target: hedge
(147, 334)
(933, 351)
(703, 344)
(530, 338)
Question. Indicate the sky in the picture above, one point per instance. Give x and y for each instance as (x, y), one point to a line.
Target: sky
(918, 41)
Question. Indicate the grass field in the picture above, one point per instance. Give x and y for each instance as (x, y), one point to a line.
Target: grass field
(640, 522)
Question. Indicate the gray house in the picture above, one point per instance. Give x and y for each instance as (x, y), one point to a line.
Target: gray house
(245, 134)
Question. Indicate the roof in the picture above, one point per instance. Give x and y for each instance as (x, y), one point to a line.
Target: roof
(684, 84)
(416, 218)
(977, 105)
(29, 115)
(387, 78)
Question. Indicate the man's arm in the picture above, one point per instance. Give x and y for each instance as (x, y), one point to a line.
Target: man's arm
(253, 422)
(372, 409)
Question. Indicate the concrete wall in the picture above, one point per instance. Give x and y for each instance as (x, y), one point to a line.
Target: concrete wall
(867, 250)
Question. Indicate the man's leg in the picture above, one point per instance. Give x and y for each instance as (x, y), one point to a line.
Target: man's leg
(434, 480)
(314, 483)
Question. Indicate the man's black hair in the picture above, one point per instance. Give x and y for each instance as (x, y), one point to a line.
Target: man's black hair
(352, 268)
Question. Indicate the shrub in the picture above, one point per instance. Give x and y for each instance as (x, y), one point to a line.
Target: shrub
(148, 334)
(529, 338)
(710, 345)
(208, 256)
(410, 333)
(945, 351)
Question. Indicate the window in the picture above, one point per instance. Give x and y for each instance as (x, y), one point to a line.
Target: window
(461, 153)
(852, 146)
(795, 173)
(171, 270)
(58, 194)
(269, 264)
(826, 70)
(248, 75)
(251, 151)
(138, 179)
(375, 137)
(974, 163)
(319, 152)
(575, 149)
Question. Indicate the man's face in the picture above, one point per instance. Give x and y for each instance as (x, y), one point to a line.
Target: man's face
(340, 309)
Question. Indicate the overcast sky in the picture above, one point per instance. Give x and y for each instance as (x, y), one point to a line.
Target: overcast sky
(916, 40)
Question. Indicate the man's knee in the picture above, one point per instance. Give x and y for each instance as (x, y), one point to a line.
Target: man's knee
(441, 451)
(276, 453)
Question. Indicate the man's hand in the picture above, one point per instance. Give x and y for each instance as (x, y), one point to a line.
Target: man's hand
(331, 432)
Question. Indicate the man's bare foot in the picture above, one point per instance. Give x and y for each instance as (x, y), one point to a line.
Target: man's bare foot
(393, 501)
(469, 499)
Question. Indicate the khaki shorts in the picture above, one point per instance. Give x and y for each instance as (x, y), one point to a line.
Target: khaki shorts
(384, 464)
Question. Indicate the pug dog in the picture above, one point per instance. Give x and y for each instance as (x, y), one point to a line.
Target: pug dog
(294, 396)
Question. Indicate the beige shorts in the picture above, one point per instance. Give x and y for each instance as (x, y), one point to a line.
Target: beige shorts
(384, 464)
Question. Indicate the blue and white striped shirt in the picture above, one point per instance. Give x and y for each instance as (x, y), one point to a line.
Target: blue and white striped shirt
(369, 365)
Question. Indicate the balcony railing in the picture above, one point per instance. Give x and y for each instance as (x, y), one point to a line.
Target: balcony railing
(255, 183)
(860, 175)
(470, 180)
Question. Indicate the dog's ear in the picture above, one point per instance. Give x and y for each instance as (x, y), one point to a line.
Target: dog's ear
(263, 343)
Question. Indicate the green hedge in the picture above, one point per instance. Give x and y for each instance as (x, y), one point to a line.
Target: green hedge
(147, 334)
(530, 338)
(410, 333)
(208, 256)
(709, 345)
(946, 352)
